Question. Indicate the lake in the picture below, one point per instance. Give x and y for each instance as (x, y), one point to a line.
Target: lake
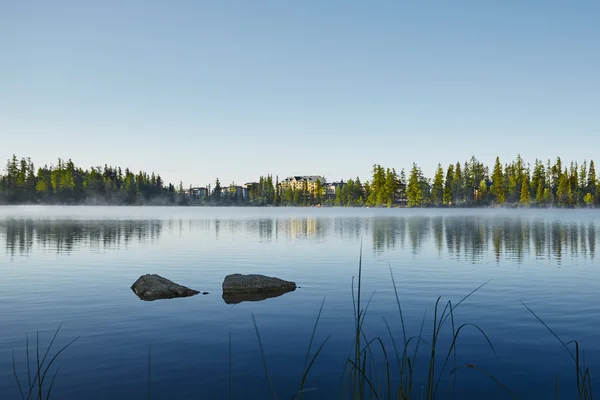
(75, 266)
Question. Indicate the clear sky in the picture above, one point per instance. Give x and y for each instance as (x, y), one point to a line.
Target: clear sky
(235, 89)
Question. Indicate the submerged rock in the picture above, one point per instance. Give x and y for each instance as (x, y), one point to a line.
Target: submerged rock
(254, 287)
(154, 287)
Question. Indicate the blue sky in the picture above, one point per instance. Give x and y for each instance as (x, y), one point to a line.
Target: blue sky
(235, 89)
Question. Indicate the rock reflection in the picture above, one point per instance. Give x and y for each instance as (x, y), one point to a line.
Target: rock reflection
(236, 298)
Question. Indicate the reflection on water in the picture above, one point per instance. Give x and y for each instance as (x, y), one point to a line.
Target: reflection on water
(465, 238)
(65, 236)
(236, 298)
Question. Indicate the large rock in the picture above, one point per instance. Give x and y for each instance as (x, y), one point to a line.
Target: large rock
(253, 283)
(154, 287)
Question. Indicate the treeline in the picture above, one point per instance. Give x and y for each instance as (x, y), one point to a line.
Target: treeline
(467, 184)
(473, 184)
(512, 184)
(67, 184)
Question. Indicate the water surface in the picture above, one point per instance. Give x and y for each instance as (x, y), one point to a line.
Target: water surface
(75, 265)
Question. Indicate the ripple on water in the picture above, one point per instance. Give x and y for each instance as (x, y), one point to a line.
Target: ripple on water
(76, 266)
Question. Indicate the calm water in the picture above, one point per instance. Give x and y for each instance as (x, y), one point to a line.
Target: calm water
(75, 265)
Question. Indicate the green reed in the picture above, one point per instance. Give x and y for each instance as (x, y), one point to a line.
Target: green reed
(361, 378)
(36, 380)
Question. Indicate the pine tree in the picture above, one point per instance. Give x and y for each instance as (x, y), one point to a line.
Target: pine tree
(449, 185)
(277, 195)
(376, 196)
(414, 194)
(391, 186)
(556, 172)
(562, 191)
(589, 199)
(498, 183)
(458, 184)
(437, 190)
(591, 179)
(482, 191)
(539, 194)
(525, 198)
(318, 191)
(583, 175)
(539, 177)
(216, 194)
(477, 173)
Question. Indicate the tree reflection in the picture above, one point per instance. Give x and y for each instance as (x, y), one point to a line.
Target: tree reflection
(472, 237)
(469, 238)
(65, 236)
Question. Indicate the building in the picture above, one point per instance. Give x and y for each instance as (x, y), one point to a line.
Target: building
(232, 192)
(298, 182)
(238, 191)
(400, 197)
(248, 188)
(196, 194)
(477, 190)
(332, 188)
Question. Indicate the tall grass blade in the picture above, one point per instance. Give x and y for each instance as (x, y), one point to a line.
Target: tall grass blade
(42, 367)
(364, 312)
(312, 337)
(39, 367)
(149, 367)
(367, 350)
(387, 364)
(492, 377)
(411, 366)
(393, 342)
(399, 306)
(358, 309)
(434, 338)
(565, 345)
(357, 319)
(264, 360)
(307, 370)
(28, 366)
(344, 378)
(51, 343)
(361, 391)
(454, 350)
(452, 346)
(230, 366)
(52, 383)
(364, 378)
(17, 376)
(56, 356)
(467, 296)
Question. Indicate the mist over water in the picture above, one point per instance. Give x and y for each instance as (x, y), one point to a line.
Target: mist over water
(464, 237)
(75, 265)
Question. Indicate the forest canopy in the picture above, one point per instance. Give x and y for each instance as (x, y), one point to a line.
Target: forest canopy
(470, 183)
